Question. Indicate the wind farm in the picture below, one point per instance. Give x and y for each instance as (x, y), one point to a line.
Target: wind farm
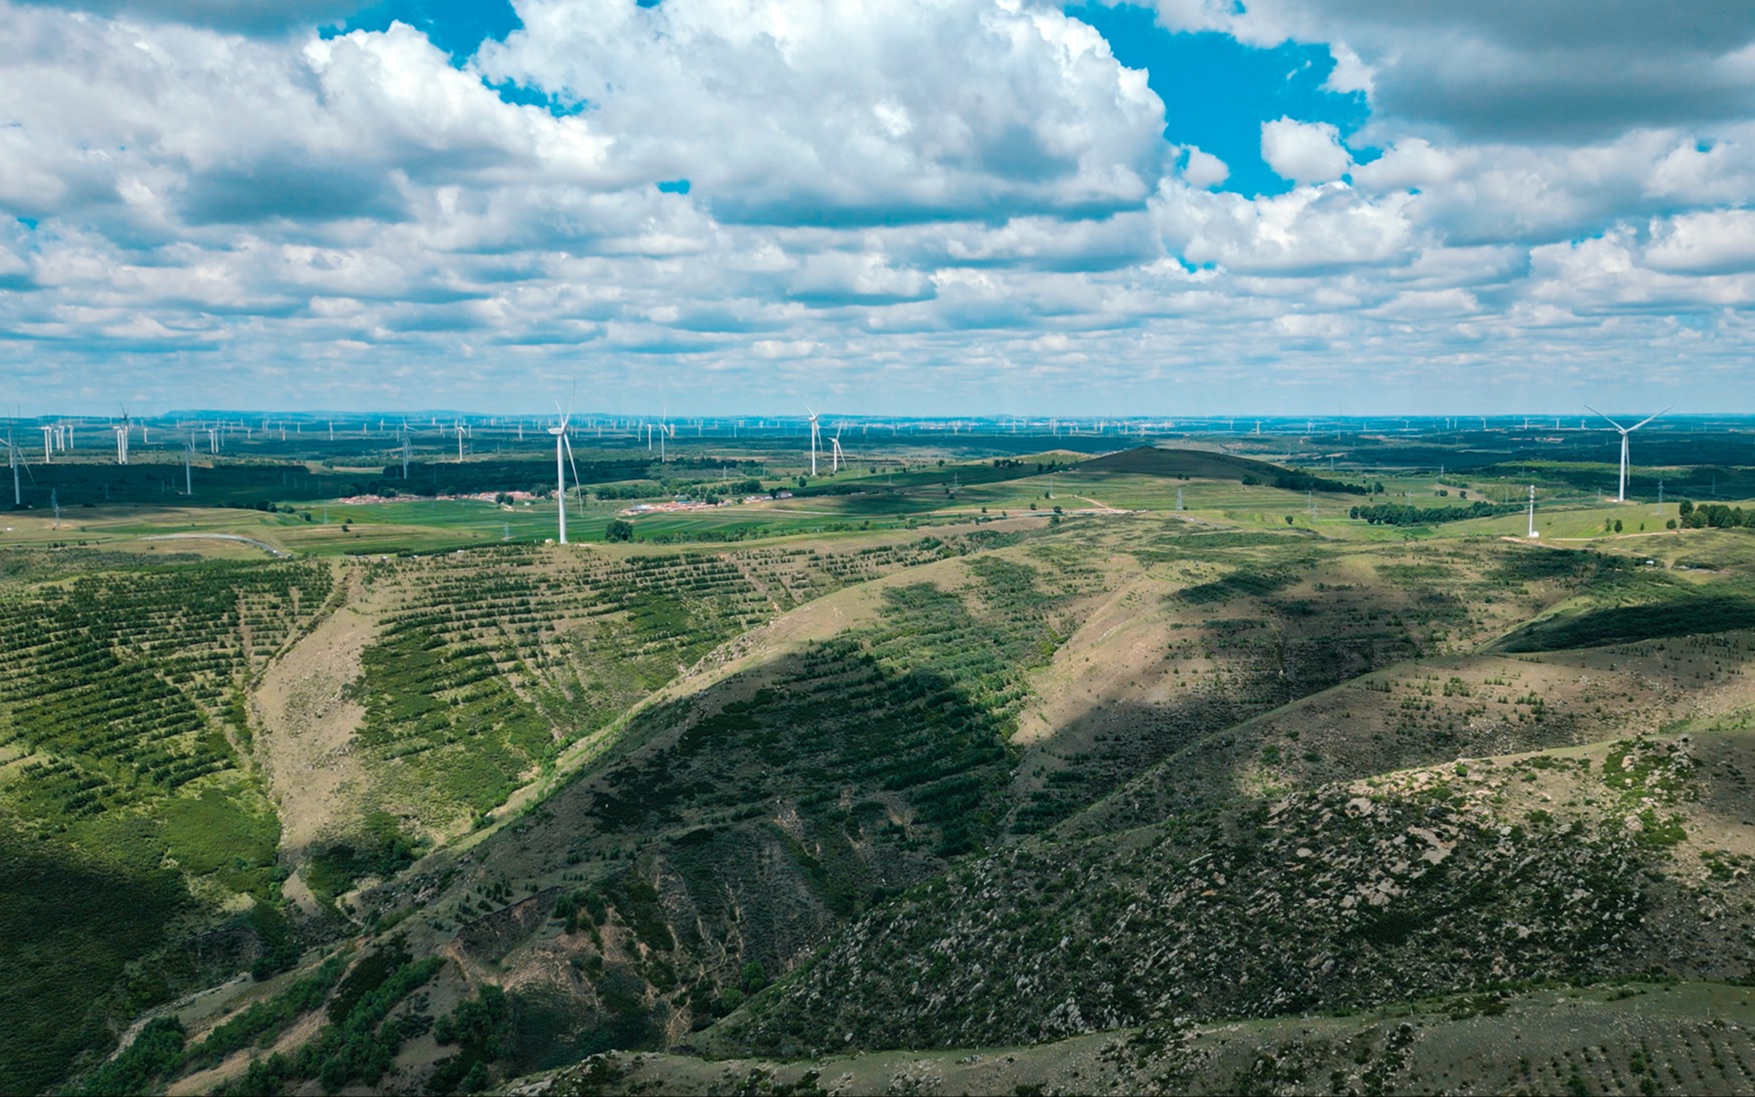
(737, 476)
(602, 549)
(682, 743)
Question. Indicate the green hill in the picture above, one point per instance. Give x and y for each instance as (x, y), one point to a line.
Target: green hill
(1188, 463)
(1167, 806)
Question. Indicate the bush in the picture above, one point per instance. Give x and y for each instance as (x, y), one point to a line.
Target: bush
(156, 1052)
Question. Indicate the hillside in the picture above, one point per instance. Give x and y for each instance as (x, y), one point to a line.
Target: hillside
(1185, 463)
(1680, 1038)
(1132, 780)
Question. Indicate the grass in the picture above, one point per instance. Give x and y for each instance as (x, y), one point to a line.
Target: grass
(72, 923)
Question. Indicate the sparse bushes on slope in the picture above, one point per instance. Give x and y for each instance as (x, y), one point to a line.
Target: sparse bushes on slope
(1331, 898)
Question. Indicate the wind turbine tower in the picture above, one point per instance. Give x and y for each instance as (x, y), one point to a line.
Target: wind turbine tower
(13, 459)
(188, 476)
(1533, 534)
(815, 437)
(1621, 496)
(560, 433)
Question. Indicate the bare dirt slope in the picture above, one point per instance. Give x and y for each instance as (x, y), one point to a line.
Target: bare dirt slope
(307, 722)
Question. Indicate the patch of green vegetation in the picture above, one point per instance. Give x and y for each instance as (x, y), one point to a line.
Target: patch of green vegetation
(1660, 833)
(155, 1054)
(490, 666)
(360, 1043)
(478, 1028)
(71, 925)
(225, 833)
(382, 850)
(262, 1020)
(1245, 582)
(1682, 616)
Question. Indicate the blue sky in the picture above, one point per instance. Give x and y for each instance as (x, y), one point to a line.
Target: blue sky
(1218, 91)
(912, 206)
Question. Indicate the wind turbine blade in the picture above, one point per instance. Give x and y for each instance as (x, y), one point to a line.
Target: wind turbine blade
(1616, 425)
(1646, 420)
(575, 468)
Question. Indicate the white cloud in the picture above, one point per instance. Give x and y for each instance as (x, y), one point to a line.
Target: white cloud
(853, 112)
(1709, 242)
(1567, 71)
(1313, 230)
(1304, 152)
(1204, 169)
(963, 198)
(1350, 74)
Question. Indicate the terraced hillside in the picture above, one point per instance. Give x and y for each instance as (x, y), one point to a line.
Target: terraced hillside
(1152, 785)
(127, 790)
(202, 731)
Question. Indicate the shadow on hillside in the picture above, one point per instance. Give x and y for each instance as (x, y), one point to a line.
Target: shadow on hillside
(750, 823)
(69, 927)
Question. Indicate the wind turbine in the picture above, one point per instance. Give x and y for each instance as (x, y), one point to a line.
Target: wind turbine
(1533, 534)
(815, 437)
(15, 459)
(1621, 496)
(560, 433)
(48, 443)
(462, 433)
(188, 476)
(836, 457)
(122, 438)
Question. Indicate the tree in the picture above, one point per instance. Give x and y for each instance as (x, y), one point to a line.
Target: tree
(1617, 525)
(618, 530)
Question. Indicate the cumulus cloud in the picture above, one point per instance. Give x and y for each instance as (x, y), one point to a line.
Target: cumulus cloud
(1203, 169)
(245, 16)
(1565, 70)
(1708, 242)
(1304, 152)
(852, 113)
(1311, 230)
(967, 198)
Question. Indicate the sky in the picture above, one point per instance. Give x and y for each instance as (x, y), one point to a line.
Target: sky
(881, 207)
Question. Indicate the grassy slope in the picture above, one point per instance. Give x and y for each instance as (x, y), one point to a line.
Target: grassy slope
(127, 797)
(1667, 1038)
(1199, 464)
(691, 864)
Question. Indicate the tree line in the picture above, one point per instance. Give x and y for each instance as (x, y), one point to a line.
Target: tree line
(1714, 516)
(1406, 514)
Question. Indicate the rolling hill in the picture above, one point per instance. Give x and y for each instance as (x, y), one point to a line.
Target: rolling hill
(1096, 804)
